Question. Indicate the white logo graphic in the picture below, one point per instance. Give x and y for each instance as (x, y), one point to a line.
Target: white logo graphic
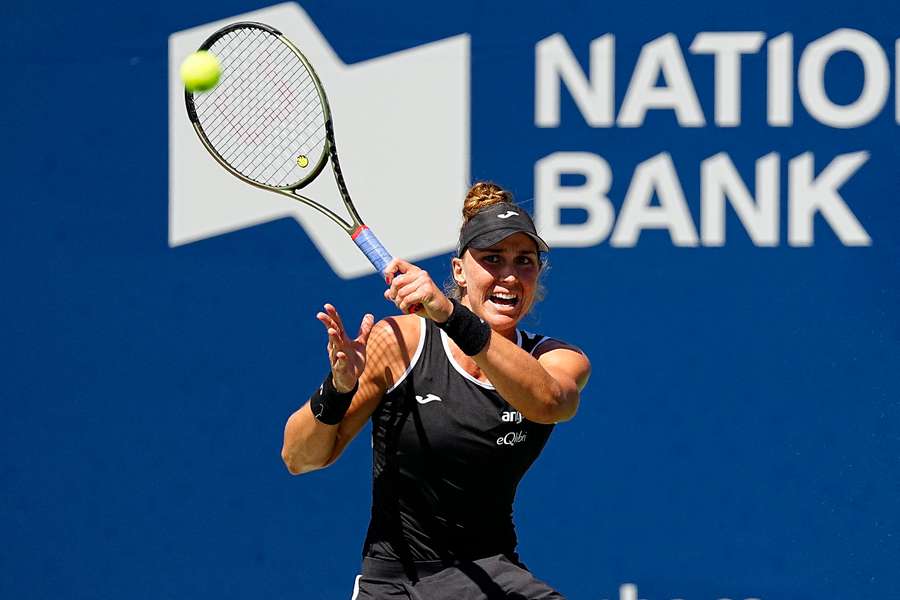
(508, 214)
(427, 399)
(400, 117)
(511, 416)
(512, 438)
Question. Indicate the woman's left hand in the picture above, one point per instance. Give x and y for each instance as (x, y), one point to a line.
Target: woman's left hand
(410, 285)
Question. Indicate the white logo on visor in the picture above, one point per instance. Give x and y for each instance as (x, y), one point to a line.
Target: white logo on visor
(383, 106)
(508, 214)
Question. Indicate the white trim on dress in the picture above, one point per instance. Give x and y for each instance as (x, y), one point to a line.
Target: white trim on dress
(445, 341)
(415, 358)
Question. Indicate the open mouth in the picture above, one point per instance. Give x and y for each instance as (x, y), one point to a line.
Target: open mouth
(504, 299)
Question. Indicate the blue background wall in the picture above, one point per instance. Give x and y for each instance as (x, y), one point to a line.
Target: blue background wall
(739, 437)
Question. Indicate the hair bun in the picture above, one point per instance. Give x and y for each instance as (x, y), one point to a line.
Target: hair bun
(481, 195)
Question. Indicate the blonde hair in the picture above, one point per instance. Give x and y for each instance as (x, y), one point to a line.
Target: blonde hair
(481, 195)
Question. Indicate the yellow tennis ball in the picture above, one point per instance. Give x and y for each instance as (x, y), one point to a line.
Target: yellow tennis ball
(200, 71)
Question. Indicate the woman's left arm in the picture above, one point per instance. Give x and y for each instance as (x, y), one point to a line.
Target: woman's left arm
(544, 389)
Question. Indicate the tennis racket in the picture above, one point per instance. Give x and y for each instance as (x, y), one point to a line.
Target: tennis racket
(269, 124)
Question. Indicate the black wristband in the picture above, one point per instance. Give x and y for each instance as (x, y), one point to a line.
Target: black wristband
(329, 405)
(465, 328)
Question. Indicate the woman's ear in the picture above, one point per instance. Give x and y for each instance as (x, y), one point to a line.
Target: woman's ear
(459, 275)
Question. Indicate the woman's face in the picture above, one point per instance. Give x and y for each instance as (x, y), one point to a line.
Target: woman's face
(500, 282)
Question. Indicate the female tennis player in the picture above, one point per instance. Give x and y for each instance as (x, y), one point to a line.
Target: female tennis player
(461, 402)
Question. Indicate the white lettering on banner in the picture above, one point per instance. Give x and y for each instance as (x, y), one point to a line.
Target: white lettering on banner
(809, 195)
(720, 180)
(655, 176)
(661, 56)
(811, 79)
(780, 82)
(728, 48)
(551, 197)
(555, 62)
(629, 591)
(556, 65)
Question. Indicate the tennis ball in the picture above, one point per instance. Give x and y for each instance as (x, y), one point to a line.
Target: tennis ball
(200, 71)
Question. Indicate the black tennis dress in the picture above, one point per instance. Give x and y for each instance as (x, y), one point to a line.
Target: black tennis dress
(448, 455)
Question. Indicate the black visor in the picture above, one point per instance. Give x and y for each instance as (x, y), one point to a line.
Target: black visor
(496, 223)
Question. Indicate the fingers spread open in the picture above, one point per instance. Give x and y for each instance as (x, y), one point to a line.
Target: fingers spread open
(333, 313)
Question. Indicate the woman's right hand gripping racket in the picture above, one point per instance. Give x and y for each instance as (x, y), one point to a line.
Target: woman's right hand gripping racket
(269, 124)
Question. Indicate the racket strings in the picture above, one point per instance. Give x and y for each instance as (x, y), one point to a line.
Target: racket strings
(250, 163)
(233, 96)
(249, 159)
(273, 110)
(230, 87)
(288, 141)
(237, 112)
(232, 107)
(250, 103)
(266, 111)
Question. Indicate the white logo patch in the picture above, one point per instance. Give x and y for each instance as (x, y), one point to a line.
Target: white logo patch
(420, 121)
(428, 398)
(508, 214)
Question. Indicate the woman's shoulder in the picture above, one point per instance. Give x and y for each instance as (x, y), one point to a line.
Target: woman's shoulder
(393, 343)
(538, 344)
(562, 355)
(401, 331)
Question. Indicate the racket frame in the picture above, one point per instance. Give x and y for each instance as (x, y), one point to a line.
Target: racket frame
(329, 150)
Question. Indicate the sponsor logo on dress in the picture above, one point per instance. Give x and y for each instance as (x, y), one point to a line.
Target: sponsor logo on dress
(427, 398)
(512, 438)
(511, 416)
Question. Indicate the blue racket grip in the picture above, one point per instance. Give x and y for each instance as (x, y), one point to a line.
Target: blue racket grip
(372, 248)
(376, 253)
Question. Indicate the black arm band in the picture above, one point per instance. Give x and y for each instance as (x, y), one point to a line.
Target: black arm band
(329, 405)
(465, 328)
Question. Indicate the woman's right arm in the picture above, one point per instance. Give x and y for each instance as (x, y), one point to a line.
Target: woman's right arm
(310, 444)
